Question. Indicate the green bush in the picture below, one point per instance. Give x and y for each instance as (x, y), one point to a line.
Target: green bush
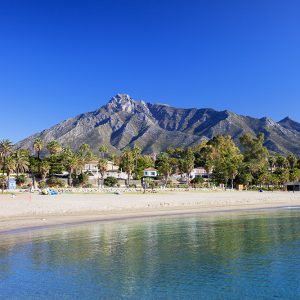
(55, 182)
(81, 180)
(184, 186)
(152, 184)
(87, 185)
(198, 186)
(132, 185)
(21, 180)
(110, 181)
(42, 184)
(197, 180)
(170, 185)
(3, 182)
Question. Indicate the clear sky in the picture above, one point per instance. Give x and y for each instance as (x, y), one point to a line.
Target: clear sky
(59, 58)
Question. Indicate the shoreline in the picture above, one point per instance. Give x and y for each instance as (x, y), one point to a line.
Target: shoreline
(25, 213)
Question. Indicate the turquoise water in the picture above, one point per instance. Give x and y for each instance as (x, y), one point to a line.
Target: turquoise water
(249, 255)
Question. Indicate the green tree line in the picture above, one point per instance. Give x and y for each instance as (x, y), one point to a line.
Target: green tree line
(249, 163)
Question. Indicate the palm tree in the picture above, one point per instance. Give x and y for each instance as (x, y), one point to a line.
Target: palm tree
(272, 162)
(69, 162)
(103, 149)
(188, 163)
(85, 148)
(22, 161)
(86, 153)
(292, 160)
(6, 148)
(113, 158)
(102, 167)
(74, 163)
(10, 165)
(54, 147)
(33, 168)
(281, 162)
(44, 168)
(136, 152)
(164, 166)
(38, 146)
(127, 161)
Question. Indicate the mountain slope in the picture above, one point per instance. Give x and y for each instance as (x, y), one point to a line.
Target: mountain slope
(124, 122)
(290, 124)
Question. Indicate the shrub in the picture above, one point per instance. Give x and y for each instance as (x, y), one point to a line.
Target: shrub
(55, 182)
(110, 181)
(185, 186)
(152, 185)
(21, 179)
(197, 180)
(170, 185)
(81, 180)
(198, 186)
(132, 186)
(88, 185)
(42, 184)
(3, 182)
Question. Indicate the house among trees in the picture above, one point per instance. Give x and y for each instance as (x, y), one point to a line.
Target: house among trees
(92, 167)
(200, 172)
(112, 170)
(150, 172)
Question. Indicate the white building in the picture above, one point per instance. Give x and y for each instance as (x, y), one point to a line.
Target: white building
(150, 172)
(112, 170)
(93, 168)
(200, 172)
(197, 172)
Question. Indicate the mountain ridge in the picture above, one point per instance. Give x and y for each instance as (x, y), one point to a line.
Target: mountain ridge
(124, 122)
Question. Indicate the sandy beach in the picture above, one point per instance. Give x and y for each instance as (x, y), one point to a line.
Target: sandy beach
(31, 210)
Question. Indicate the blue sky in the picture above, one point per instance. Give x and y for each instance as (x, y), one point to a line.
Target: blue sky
(62, 58)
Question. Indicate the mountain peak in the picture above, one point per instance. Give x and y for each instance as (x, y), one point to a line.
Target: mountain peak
(121, 98)
(290, 124)
(124, 102)
(268, 121)
(286, 119)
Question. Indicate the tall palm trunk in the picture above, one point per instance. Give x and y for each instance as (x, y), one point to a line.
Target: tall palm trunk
(33, 180)
(4, 164)
(70, 177)
(188, 179)
(128, 179)
(226, 184)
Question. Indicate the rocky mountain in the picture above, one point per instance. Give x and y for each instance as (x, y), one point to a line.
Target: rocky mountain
(125, 122)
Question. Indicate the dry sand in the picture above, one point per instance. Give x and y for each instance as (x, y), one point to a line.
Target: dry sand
(30, 210)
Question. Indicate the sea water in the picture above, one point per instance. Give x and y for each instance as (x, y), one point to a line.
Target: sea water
(237, 255)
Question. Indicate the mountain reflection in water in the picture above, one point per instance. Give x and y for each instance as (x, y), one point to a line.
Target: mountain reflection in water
(227, 256)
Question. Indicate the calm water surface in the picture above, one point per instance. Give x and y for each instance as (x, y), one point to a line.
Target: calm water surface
(249, 255)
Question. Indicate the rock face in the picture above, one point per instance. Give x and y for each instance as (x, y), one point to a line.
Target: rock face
(124, 122)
